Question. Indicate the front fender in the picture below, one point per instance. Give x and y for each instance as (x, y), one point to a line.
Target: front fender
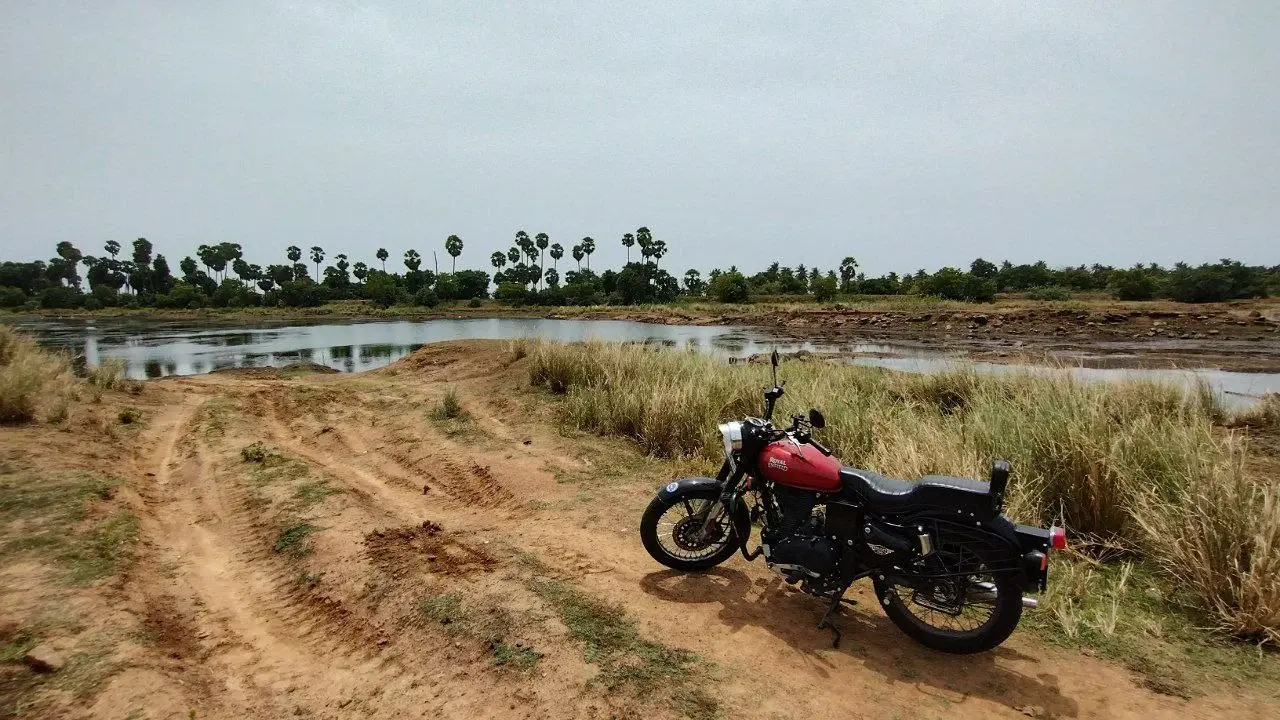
(705, 488)
(690, 486)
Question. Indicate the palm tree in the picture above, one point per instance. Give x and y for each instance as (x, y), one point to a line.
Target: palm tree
(361, 271)
(588, 247)
(553, 277)
(644, 239)
(628, 240)
(112, 247)
(453, 246)
(657, 249)
(542, 240)
(317, 256)
(578, 255)
(514, 255)
(557, 252)
(382, 255)
(294, 253)
(498, 260)
(412, 260)
(848, 271)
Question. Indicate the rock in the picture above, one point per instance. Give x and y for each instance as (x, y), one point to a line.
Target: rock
(1034, 711)
(980, 319)
(1214, 331)
(43, 658)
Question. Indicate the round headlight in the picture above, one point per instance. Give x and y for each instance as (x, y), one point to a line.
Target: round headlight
(731, 433)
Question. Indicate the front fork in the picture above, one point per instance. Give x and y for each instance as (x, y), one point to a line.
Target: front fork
(729, 478)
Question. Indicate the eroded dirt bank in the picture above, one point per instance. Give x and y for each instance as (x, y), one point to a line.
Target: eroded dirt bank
(346, 546)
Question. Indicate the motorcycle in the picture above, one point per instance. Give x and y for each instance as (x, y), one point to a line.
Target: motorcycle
(949, 569)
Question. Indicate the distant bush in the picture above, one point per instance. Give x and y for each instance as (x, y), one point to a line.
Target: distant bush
(824, 288)
(474, 303)
(1132, 284)
(426, 297)
(512, 292)
(730, 287)
(182, 296)
(61, 297)
(11, 297)
(1052, 292)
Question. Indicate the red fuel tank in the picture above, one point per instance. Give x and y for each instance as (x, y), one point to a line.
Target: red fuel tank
(800, 466)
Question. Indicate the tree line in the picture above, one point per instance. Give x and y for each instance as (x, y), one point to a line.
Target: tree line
(220, 276)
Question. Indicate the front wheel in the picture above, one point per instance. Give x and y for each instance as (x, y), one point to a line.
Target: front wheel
(671, 530)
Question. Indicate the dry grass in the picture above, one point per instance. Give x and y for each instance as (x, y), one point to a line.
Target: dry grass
(1138, 469)
(109, 375)
(32, 380)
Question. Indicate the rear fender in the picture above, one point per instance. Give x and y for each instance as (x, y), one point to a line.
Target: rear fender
(705, 488)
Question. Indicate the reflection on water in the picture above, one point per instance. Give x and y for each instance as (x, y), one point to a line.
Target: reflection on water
(157, 349)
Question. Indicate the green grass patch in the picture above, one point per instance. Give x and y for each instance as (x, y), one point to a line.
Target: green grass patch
(520, 657)
(492, 625)
(445, 609)
(16, 649)
(312, 492)
(295, 539)
(48, 517)
(628, 662)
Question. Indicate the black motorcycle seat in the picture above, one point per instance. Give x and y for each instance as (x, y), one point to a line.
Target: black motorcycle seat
(941, 492)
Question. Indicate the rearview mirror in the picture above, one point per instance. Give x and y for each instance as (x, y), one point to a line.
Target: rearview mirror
(773, 357)
(816, 419)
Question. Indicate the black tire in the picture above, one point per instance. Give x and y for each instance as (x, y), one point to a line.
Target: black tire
(649, 533)
(1007, 612)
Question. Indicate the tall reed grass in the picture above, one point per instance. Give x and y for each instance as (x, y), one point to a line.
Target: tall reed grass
(1139, 468)
(31, 379)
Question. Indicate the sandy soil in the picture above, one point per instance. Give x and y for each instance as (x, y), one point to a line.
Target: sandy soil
(217, 619)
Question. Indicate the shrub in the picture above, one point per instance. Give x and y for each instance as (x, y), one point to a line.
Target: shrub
(61, 297)
(511, 292)
(11, 297)
(129, 415)
(1132, 284)
(474, 303)
(108, 375)
(1219, 538)
(92, 303)
(825, 288)
(426, 297)
(30, 376)
(1051, 292)
(183, 295)
(731, 287)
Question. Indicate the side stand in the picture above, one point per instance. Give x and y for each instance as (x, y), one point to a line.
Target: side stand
(832, 606)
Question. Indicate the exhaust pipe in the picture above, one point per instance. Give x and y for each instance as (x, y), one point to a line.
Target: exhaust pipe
(1030, 602)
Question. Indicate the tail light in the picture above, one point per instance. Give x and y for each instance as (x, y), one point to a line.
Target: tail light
(1058, 538)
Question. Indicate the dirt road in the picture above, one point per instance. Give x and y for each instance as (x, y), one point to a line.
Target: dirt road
(338, 547)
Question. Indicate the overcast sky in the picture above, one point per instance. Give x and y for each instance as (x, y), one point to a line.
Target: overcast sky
(908, 135)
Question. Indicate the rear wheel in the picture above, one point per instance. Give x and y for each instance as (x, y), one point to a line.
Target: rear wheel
(970, 610)
(672, 532)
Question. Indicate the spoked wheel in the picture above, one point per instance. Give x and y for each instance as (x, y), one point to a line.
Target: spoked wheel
(970, 610)
(672, 532)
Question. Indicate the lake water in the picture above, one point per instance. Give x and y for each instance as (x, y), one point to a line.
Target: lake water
(153, 349)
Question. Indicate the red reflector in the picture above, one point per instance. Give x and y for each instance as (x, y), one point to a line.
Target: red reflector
(1057, 538)
(1044, 562)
